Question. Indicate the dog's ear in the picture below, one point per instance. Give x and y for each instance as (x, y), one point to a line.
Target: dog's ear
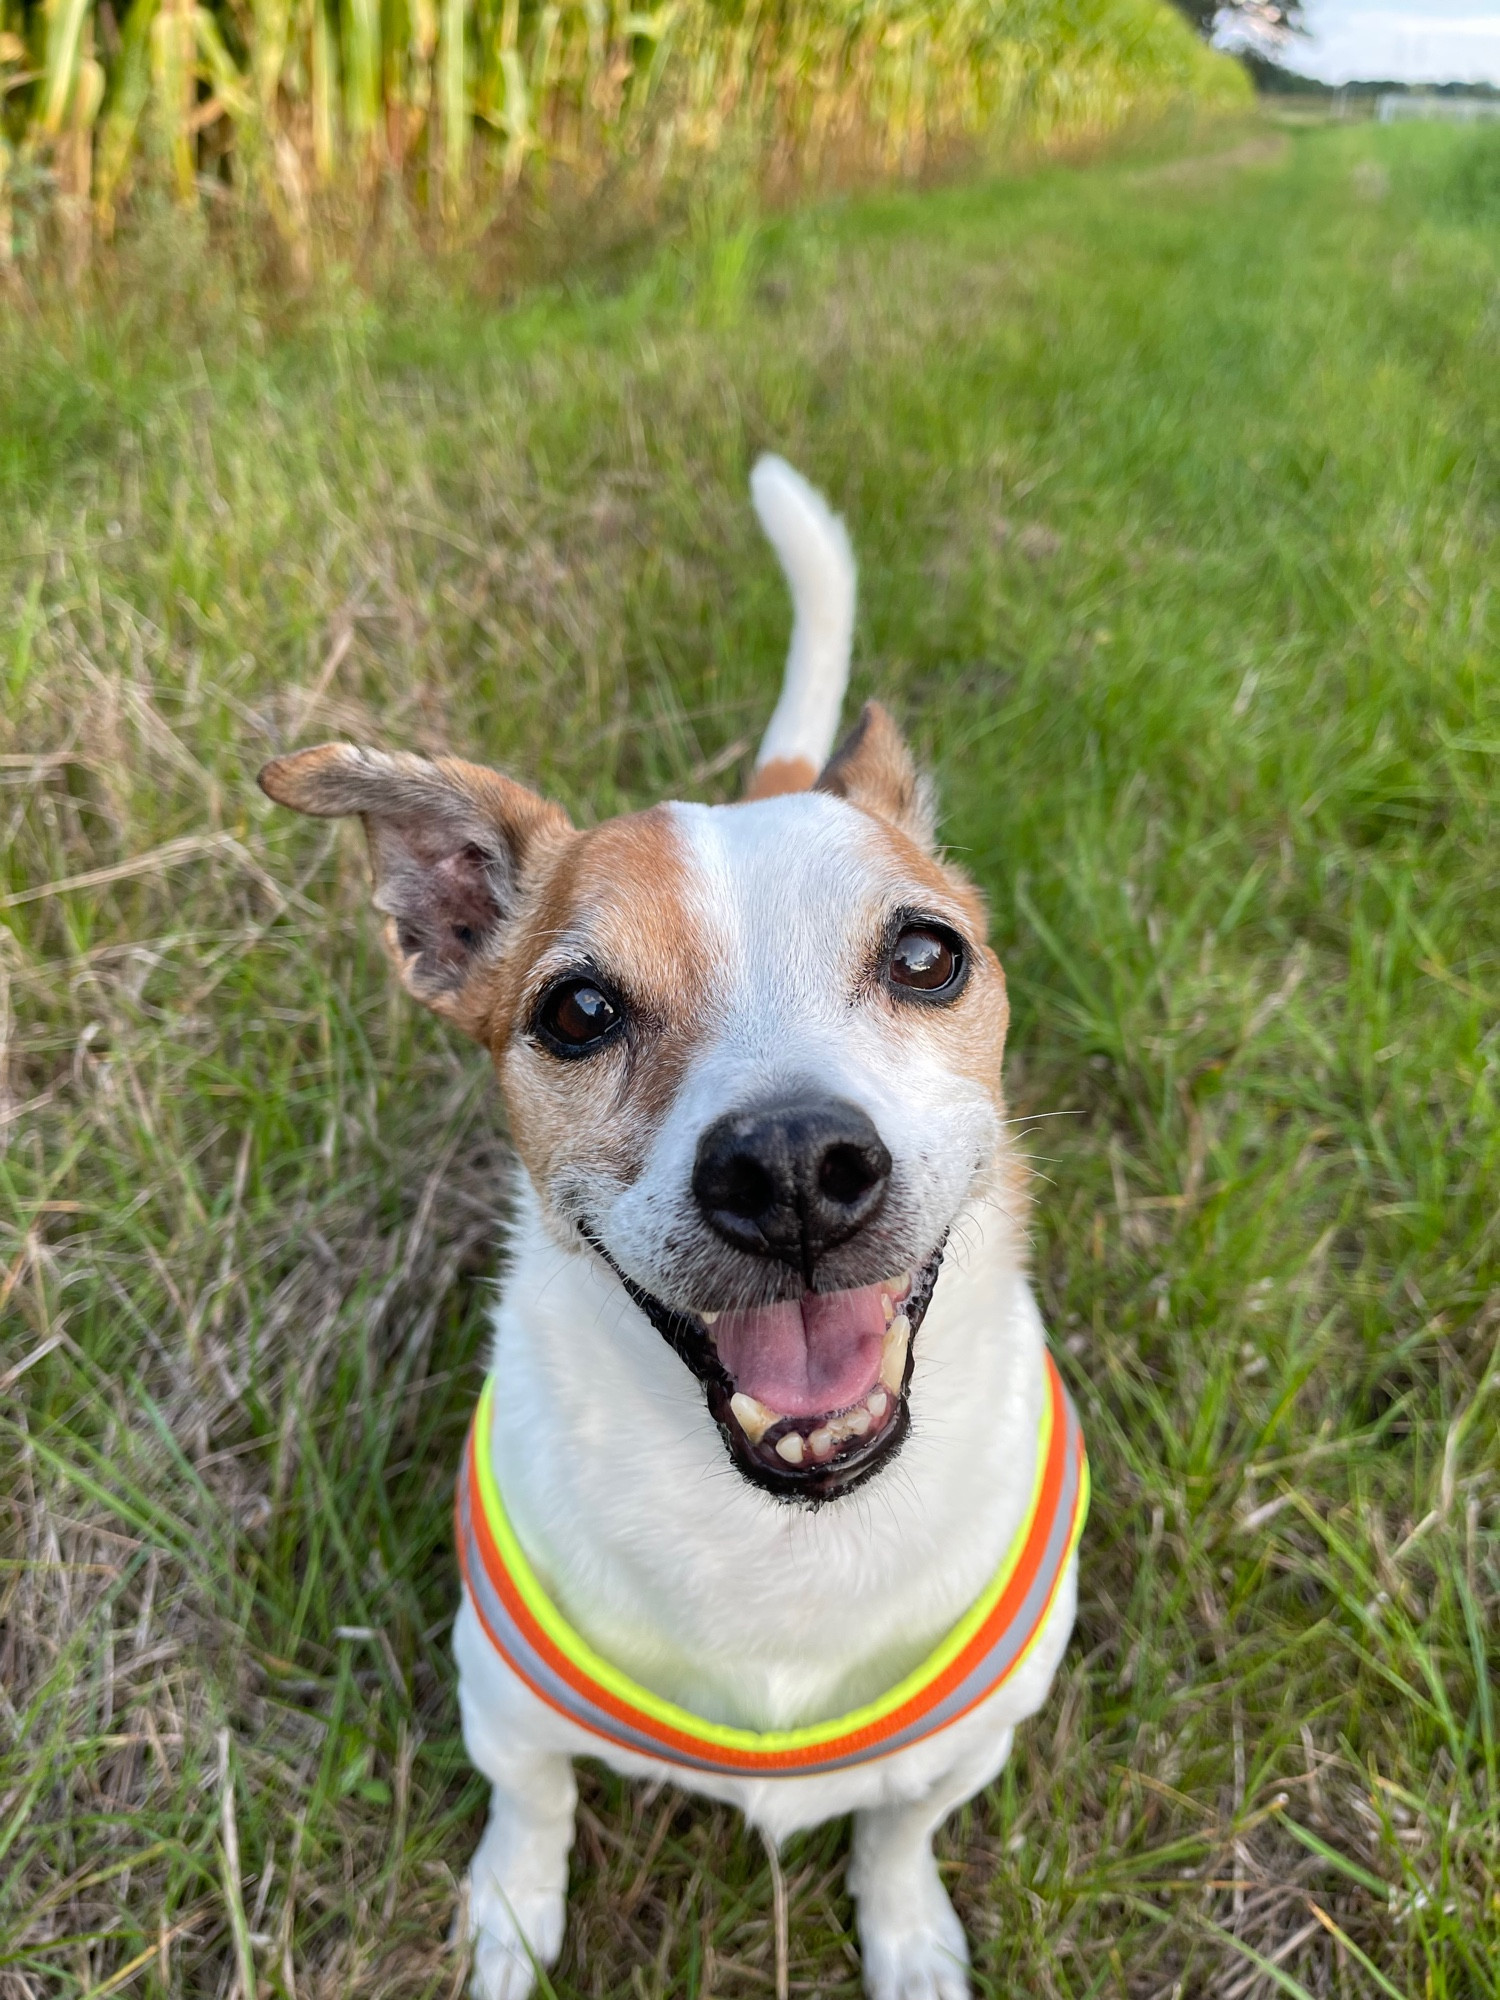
(873, 768)
(450, 845)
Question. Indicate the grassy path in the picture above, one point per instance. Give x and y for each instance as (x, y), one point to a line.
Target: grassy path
(1175, 488)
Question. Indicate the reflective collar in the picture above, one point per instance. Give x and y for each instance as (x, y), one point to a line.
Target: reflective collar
(983, 1650)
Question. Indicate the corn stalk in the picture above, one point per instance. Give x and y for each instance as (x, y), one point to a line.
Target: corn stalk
(453, 97)
(174, 43)
(286, 97)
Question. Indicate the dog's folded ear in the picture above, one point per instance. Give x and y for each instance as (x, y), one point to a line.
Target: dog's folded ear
(872, 768)
(451, 845)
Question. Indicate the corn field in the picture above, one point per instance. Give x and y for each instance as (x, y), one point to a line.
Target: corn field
(277, 103)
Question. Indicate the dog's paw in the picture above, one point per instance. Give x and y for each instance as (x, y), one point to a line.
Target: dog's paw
(926, 1959)
(511, 1939)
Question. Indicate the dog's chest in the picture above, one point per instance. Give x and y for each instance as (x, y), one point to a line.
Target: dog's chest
(702, 1588)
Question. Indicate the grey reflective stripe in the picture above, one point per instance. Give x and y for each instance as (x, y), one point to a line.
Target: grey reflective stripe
(983, 1678)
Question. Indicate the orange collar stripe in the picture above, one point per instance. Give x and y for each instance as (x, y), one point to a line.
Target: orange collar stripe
(983, 1651)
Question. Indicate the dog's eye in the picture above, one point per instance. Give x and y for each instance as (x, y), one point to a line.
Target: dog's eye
(576, 1017)
(927, 961)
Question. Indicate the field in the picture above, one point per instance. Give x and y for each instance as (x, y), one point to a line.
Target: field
(1173, 477)
(317, 123)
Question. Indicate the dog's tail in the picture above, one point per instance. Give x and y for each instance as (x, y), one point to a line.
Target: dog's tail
(813, 547)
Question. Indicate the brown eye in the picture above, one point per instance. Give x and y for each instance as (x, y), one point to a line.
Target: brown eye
(576, 1017)
(927, 961)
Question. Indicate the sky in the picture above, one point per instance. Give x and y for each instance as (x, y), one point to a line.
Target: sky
(1415, 41)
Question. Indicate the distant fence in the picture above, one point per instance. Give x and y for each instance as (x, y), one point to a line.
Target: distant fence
(1392, 105)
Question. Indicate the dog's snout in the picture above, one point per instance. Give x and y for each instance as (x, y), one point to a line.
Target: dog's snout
(791, 1180)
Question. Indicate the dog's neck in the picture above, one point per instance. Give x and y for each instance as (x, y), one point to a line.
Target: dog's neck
(696, 1583)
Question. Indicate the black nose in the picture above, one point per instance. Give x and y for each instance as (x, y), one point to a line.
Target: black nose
(791, 1180)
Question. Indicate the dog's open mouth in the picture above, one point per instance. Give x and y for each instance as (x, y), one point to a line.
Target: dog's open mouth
(817, 1379)
(810, 1395)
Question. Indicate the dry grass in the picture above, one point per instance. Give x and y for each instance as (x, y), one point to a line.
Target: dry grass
(1177, 516)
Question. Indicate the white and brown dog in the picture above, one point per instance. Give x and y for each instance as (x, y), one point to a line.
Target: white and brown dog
(770, 1407)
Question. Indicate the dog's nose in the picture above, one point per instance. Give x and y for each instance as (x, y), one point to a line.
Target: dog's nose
(791, 1180)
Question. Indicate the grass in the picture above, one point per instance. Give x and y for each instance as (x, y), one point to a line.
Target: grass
(1174, 484)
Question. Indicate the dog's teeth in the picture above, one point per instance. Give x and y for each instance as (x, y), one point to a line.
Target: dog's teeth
(853, 1423)
(893, 1353)
(790, 1447)
(877, 1403)
(753, 1418)
(821, 1443)
(892, 1292)
(708, 1318)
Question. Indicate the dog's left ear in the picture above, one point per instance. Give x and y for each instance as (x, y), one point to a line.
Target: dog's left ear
(451, 847)
(872, 768)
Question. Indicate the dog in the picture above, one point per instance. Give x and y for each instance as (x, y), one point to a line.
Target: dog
(773, 1490)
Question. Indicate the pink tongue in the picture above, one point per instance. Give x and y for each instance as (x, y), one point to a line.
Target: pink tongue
(816, 1355)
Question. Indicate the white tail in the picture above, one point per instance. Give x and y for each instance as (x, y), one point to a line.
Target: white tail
(813, 547)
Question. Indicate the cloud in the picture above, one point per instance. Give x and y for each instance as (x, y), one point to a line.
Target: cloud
(1448, 42)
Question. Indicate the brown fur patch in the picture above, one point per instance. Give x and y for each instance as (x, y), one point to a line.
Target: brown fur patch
(619, 900)
(873, 769)
(972, 1032)
(780, 775)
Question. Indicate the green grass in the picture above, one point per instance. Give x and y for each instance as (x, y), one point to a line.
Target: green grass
(1174, 485)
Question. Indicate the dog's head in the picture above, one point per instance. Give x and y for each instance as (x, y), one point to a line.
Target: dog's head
(751, 1055)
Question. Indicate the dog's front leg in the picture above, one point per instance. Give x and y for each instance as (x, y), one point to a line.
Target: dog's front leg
(518, 1879)
(911, 1941)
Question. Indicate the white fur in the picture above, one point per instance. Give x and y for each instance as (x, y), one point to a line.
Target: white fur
(670, 1563)
(812, 545)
